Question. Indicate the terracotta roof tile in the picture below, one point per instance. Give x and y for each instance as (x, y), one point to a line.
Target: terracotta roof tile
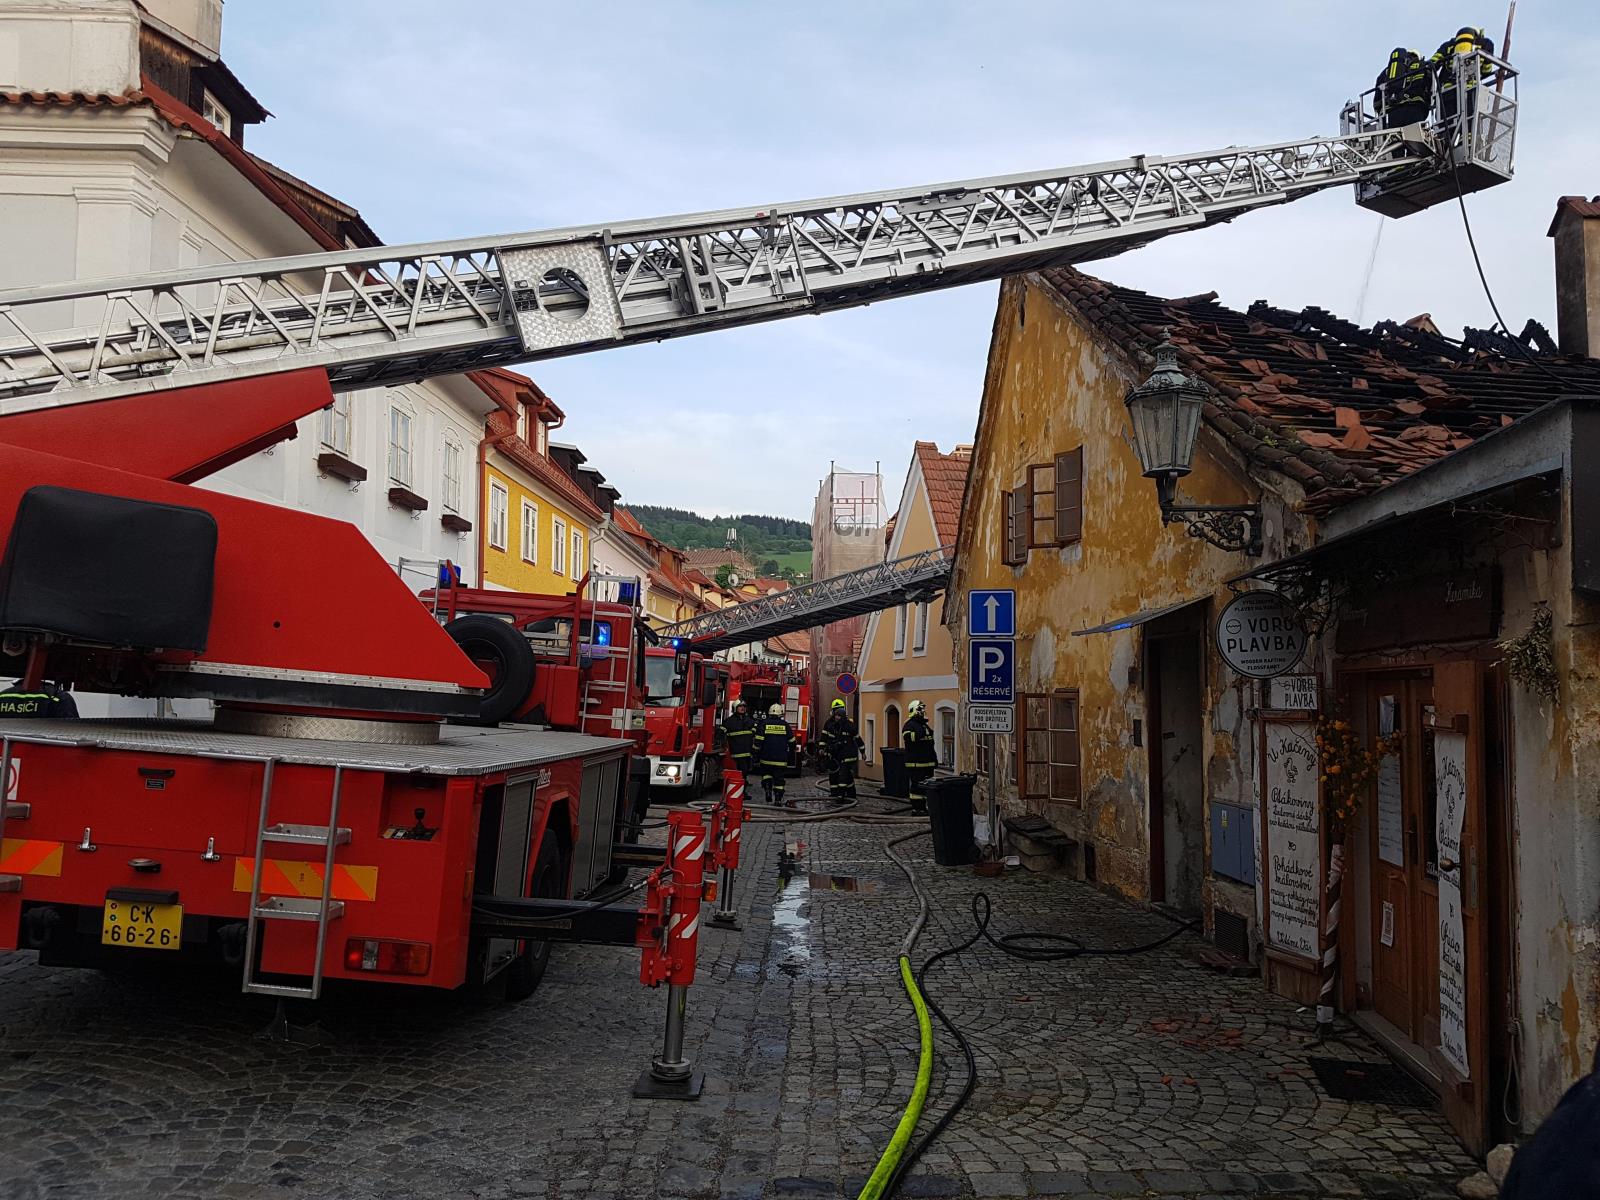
(74, 99)
(1573, 204)
(1339, 408)
(946, 478)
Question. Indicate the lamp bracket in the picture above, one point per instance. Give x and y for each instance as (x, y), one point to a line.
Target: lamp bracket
(1234, 527)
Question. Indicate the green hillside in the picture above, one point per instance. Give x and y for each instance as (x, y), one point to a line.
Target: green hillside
(776, 539)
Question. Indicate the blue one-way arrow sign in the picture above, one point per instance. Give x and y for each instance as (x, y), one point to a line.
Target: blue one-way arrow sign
(990, 674)
(992, 612)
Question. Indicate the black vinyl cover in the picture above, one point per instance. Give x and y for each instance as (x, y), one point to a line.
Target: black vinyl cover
(109, 570)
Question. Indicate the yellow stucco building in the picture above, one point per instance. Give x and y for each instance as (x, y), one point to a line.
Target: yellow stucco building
(538, 525)
(906, 652)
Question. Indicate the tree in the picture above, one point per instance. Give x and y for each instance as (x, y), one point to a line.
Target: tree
(770, 568)
(725, 575)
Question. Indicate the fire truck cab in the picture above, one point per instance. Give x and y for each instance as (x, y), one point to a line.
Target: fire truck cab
(682, 699)
(761, 685)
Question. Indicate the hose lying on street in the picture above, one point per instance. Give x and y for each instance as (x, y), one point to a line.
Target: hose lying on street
(889, 1163)
(1026, 946)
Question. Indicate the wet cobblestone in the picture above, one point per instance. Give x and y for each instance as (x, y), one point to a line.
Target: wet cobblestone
(1106, 1077)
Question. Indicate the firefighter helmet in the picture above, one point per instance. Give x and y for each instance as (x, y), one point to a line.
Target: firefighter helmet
(738, 704)
(775, 711)
(838, 702)
(917, 708)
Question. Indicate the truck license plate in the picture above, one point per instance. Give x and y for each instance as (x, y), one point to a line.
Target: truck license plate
(142, 926)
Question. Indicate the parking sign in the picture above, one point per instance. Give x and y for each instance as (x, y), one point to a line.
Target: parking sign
(990, 677)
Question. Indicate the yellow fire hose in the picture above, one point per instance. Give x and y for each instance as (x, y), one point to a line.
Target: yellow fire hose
(919, 1093)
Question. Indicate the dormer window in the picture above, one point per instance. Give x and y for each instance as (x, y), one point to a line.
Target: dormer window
(211, 109)
(542, 433)
(522, 421)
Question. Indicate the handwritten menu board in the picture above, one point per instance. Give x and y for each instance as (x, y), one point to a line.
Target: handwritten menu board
(1450, 774)
(1293, 837)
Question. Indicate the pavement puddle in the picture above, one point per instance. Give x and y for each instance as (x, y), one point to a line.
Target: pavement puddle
(794, 927)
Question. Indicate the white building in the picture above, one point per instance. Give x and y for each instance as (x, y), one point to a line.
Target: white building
(122, 150)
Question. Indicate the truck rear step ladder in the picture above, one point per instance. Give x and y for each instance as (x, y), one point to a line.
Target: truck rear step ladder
(322, 909)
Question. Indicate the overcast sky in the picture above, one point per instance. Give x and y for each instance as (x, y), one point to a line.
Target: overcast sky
(488, 116)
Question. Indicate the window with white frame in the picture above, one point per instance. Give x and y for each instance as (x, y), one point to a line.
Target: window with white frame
(499, 503)
(452, 476)
(333, 424)
(558, 547)
(530, 531)
(919, 644)
(871, 739)
(522, 421)
(900, 630)
(211, 109)
(577, 555)
(400, 446)
(541, 434)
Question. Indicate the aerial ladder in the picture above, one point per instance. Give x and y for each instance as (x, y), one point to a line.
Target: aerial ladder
(395, 314)
(116, 394)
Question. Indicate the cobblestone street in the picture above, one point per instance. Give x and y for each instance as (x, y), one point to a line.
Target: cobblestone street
(1137, 1076)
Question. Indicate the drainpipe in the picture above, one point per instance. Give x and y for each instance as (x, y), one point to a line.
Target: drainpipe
(485, 444)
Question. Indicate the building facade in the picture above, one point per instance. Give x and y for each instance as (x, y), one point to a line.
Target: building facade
(122, 150)
(847, 522)
(539, 522)
(906, 652)
(1423, 524)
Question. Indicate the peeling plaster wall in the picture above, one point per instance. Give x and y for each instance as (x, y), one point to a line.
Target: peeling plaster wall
(1053, 384)
(1556, 824)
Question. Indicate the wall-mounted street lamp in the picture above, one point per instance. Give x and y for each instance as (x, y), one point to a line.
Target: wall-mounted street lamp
(1165, 410)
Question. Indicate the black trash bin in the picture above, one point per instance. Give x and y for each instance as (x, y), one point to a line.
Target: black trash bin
(895, 784)
(950, 814)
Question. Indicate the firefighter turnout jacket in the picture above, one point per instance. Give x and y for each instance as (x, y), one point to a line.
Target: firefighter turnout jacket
(918, 738)
(740, 731)
(840, 741)
(1404, 84)
(1443, 61)
(772, 742)
(46, 700)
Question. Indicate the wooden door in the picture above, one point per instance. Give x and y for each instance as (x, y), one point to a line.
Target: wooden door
(1389, 709)
(1460, 1043)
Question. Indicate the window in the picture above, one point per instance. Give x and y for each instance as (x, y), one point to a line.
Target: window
(400, 446)
(1050, 747)
(541, 433)
(333, 424)
(900, 630)
(522, 421)
(891, 725)
(213, 111)
(452, 477)
(577, 555)
(1047, 510)
(920, 644)
(499, 500)
(558, 547)
(871, 739)
(530, 532)
(947, 735)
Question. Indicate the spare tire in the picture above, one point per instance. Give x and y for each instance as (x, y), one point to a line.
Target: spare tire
(503, 654)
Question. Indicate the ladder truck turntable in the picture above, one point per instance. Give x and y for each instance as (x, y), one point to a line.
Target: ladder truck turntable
(332, 821)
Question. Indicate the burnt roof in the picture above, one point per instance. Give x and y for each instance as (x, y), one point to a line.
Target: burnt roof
(1340, 408)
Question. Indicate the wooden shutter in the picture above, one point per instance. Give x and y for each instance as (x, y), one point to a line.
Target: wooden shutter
(1033, 746)
(1069, 497)
(1018, 518)
(1065, 760)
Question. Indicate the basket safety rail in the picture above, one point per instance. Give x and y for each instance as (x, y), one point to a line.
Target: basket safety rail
(882, 585)
(388, 315)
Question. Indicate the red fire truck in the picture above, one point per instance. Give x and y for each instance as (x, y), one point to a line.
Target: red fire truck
(761, 685)
(682, 699)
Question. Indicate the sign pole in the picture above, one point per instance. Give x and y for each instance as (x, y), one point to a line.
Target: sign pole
(992, 744)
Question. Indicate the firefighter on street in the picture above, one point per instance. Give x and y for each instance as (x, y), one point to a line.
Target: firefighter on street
(772, 753)
(44, 700)
(842, 745)
(740, 731)
(920, 757)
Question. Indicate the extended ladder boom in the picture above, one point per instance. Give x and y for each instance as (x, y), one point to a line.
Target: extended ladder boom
(395, 314)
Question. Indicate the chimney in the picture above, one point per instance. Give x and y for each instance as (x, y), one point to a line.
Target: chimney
(1576, 230)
